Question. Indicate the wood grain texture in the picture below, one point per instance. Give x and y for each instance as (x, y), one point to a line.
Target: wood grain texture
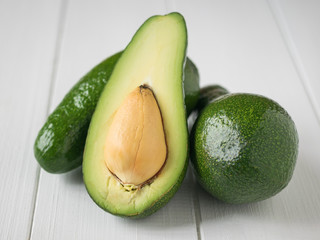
(265, 47)
(93, 31)
(299, 22)
(240, 46)
(27, 42)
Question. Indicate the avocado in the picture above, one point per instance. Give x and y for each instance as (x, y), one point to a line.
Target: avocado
(208, 94)
(136, 150)
(191, 86)
(243, 148)
(59, 145)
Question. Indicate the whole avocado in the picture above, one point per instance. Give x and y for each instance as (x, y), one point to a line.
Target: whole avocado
(243, 148)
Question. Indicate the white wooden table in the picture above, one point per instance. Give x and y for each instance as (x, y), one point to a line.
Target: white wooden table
(266, 47)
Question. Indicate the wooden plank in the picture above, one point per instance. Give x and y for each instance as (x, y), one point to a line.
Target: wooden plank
(239, 45)
(27, 43)
(298, 22)
(93, 31)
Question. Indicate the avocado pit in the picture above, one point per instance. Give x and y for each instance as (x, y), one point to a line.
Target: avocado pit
(135, 148)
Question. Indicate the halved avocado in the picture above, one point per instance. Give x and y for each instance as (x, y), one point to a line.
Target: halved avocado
(136, 150)
(59, 145)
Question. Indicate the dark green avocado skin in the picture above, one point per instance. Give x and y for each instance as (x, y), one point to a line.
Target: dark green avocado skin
(243, 148)
(191, 85)
(208, 94)
(60, 143)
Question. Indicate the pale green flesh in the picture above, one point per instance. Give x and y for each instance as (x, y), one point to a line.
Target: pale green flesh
(154, 57)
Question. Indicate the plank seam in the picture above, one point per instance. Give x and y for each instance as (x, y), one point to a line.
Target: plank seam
(34, 199)
(196, 207)
(57, 52)
(284, 30)
(170, 6)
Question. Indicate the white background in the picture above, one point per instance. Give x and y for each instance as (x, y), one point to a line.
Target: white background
(266, 47)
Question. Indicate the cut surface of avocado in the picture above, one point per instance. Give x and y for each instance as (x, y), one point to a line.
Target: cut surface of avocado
(136, 150)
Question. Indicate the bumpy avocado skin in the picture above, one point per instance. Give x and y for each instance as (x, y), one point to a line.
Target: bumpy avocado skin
(244, 148)
(191, 85)
(60, 143)
(208, 94)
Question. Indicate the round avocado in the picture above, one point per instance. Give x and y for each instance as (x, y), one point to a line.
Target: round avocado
(243, 148)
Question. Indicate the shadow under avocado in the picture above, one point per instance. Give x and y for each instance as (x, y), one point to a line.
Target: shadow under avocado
(295, 204)
(74, 176)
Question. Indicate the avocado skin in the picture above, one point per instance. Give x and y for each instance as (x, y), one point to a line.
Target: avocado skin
(243, 148)
(104, 189)
(208, 94)
(60, 143)
(163, 200)
(191, 85)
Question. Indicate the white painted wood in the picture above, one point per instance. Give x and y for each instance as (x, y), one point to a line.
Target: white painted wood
(93, 31)
(27, 42)
(238, 44)
(299, 22)
(265, 47)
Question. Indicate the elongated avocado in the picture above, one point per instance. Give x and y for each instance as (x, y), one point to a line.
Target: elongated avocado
(136, 151)
(60, 143)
